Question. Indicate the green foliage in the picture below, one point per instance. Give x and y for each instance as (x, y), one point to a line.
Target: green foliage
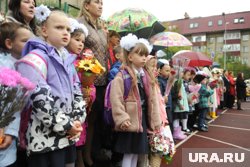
(49, 3)
(73, 12)
(235, 65)
(55, 4)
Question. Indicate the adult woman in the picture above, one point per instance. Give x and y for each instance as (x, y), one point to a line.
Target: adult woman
(227, 88)
(240, 89)
(113, 41)
(22, 11)
(232, 92)
(97, 42)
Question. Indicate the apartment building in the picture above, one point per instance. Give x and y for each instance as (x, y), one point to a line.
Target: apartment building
(225, 34)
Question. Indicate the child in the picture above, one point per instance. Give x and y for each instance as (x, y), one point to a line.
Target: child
(116, 158)
(12, 39)
(116, 66)
(78, 34)
(151, 67)
(164, 74)
(203, 104)
(181, 108)
(140, 110)
(57, 105)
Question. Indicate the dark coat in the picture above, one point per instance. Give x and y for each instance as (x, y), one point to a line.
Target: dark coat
(226, 84)
(240, 88)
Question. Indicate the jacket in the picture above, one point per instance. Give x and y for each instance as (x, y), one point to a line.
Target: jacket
(57, 100)
(114, 70)
(204, 95)
(97, 42)
(130, 108)
(240, 88)
(8, 156)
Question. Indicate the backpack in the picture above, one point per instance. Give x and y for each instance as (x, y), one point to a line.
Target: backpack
(40, 65)
(108, 118)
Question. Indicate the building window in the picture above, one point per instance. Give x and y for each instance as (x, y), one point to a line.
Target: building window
(236, 21)
(232, 35)
(200, 38)
(220, 39)
(219, 22)
(245, 37)
(211, 40)
(199, 48)
(232, 47)
(219, 49)
(241, 20)
(245, 49)
(191, 25)
(210, 23)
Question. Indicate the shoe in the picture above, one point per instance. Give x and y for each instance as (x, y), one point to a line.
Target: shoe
(213, 114)
(203, 129)
(178, 134)
(186, 130)
(239, 109)
(208, 117)
(205, 125)
(195, 126)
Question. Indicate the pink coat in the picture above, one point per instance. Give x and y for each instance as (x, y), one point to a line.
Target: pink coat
(130, 109)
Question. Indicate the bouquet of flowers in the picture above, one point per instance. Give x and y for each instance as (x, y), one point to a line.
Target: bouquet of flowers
(13, 95)
(88, 68)
(162, 143)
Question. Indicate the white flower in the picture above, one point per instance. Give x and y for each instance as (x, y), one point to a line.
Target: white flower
(146, 43)
(42, 13)
(74, 25)
(129, 41)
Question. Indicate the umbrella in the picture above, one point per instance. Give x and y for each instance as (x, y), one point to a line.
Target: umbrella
(166, 39)
(136, 21)
(191, 58)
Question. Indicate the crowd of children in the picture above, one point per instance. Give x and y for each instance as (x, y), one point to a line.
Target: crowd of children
(55, 123)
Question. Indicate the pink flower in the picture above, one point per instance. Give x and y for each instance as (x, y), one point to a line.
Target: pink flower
(27, 84)
(7, 80)
(9, 77)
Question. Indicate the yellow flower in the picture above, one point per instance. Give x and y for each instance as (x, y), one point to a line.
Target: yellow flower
(85, 64)
(97, 67)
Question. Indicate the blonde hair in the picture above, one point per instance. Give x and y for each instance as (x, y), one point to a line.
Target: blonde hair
(139, 48)
(150, 71)
(39, 28)
(84, 13)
